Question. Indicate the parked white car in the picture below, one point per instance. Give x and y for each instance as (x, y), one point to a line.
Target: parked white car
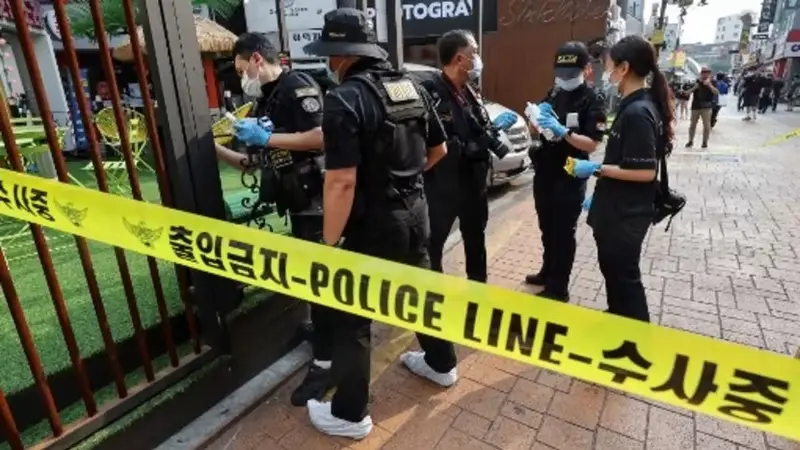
(517, 138)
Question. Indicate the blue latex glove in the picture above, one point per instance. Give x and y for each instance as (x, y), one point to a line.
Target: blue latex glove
(253, 131)
(505, 120)
(585, 168)
(546, 110)
(552, 124)
(587, 203)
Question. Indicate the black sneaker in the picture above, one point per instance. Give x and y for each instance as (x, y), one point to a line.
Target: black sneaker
(315, 385)
(689, 144)
(705, 145)
(557, 297)
(536, 279)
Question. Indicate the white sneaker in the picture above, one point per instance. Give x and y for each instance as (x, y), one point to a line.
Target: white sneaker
(415, 362)
(323, 420)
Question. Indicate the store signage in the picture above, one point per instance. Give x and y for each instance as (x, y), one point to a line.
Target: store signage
(262, 17)
(423, 18)
(299, 39)
(767, 14)
(792, 50)
(33, 12)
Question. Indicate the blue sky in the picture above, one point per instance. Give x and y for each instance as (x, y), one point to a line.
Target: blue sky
(701, 22)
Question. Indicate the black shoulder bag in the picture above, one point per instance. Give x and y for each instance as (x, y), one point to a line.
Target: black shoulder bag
(668, 203)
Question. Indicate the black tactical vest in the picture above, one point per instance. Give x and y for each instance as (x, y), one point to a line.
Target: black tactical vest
(395, 157)
(290, 180)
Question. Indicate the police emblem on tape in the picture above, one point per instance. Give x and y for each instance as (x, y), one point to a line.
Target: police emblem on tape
(75, 215)
(146, 235)
(310, 105)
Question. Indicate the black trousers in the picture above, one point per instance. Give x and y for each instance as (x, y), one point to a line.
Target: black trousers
(619, 248)
(309, 228)
(460, 193)
(775, 97)
(741, 101)
(714, 113)
(396, 232)
(558, 200)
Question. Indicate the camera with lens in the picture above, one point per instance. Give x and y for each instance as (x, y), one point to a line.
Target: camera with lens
(490, 140)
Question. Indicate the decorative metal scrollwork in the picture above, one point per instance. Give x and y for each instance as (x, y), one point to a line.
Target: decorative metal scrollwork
(258, 210)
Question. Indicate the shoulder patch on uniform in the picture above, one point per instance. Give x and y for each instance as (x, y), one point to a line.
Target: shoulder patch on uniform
(311, 105)
(307, 91)
(401, 90)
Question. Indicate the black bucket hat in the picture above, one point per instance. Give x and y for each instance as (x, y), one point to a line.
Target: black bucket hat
(347, 32)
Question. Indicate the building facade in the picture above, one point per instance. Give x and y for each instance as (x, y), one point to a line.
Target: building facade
(729, 28)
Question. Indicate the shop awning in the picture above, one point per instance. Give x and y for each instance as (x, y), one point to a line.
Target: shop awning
(211, 36)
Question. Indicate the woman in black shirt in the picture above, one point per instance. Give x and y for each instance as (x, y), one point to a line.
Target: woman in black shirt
(622, 208)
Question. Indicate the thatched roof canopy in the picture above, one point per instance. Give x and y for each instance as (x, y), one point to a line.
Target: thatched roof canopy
(212, 37)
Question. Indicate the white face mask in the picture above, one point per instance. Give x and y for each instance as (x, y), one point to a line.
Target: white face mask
(569, 84)
(251, 86)
(477, 67)
(609, 82)
(333, 75)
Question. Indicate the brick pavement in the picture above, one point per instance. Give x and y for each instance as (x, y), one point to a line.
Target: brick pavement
(729, 267)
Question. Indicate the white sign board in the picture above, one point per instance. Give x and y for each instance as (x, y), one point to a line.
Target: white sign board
(261, 15)
(299, 39)
(792, 50)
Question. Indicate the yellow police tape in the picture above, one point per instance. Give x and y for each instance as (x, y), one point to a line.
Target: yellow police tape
(782, 138)
(744, 385)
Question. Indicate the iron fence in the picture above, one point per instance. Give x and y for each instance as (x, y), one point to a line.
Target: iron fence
(13, 419)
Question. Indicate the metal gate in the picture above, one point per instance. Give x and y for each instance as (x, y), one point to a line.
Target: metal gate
(181, 169)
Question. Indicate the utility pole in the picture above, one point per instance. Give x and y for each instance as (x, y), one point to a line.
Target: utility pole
(662, 25)
(477, 30)
(394, 31)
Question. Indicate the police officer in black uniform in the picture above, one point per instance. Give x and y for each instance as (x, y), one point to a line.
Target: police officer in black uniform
(284, 138)
(380, 134)
(457, 188)
(575, 114)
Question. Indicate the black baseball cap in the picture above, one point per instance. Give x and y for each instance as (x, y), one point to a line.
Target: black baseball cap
(571, 59)
(347, 32)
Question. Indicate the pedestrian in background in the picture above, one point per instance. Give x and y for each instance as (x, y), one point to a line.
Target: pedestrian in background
(703, 93)
(623, 207)
(751, 90)
(777, 90)
(723, 86)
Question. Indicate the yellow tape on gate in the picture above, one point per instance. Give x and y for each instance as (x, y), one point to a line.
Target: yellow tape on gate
(751, 387)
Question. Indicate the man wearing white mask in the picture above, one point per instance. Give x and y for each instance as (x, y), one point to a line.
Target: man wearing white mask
(283, 137)
(575, 114)
(457, 186)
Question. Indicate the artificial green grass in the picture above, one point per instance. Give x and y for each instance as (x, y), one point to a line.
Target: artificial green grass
(28, 277)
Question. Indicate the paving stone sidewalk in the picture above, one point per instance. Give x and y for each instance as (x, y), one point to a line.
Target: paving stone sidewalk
(729, 267)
